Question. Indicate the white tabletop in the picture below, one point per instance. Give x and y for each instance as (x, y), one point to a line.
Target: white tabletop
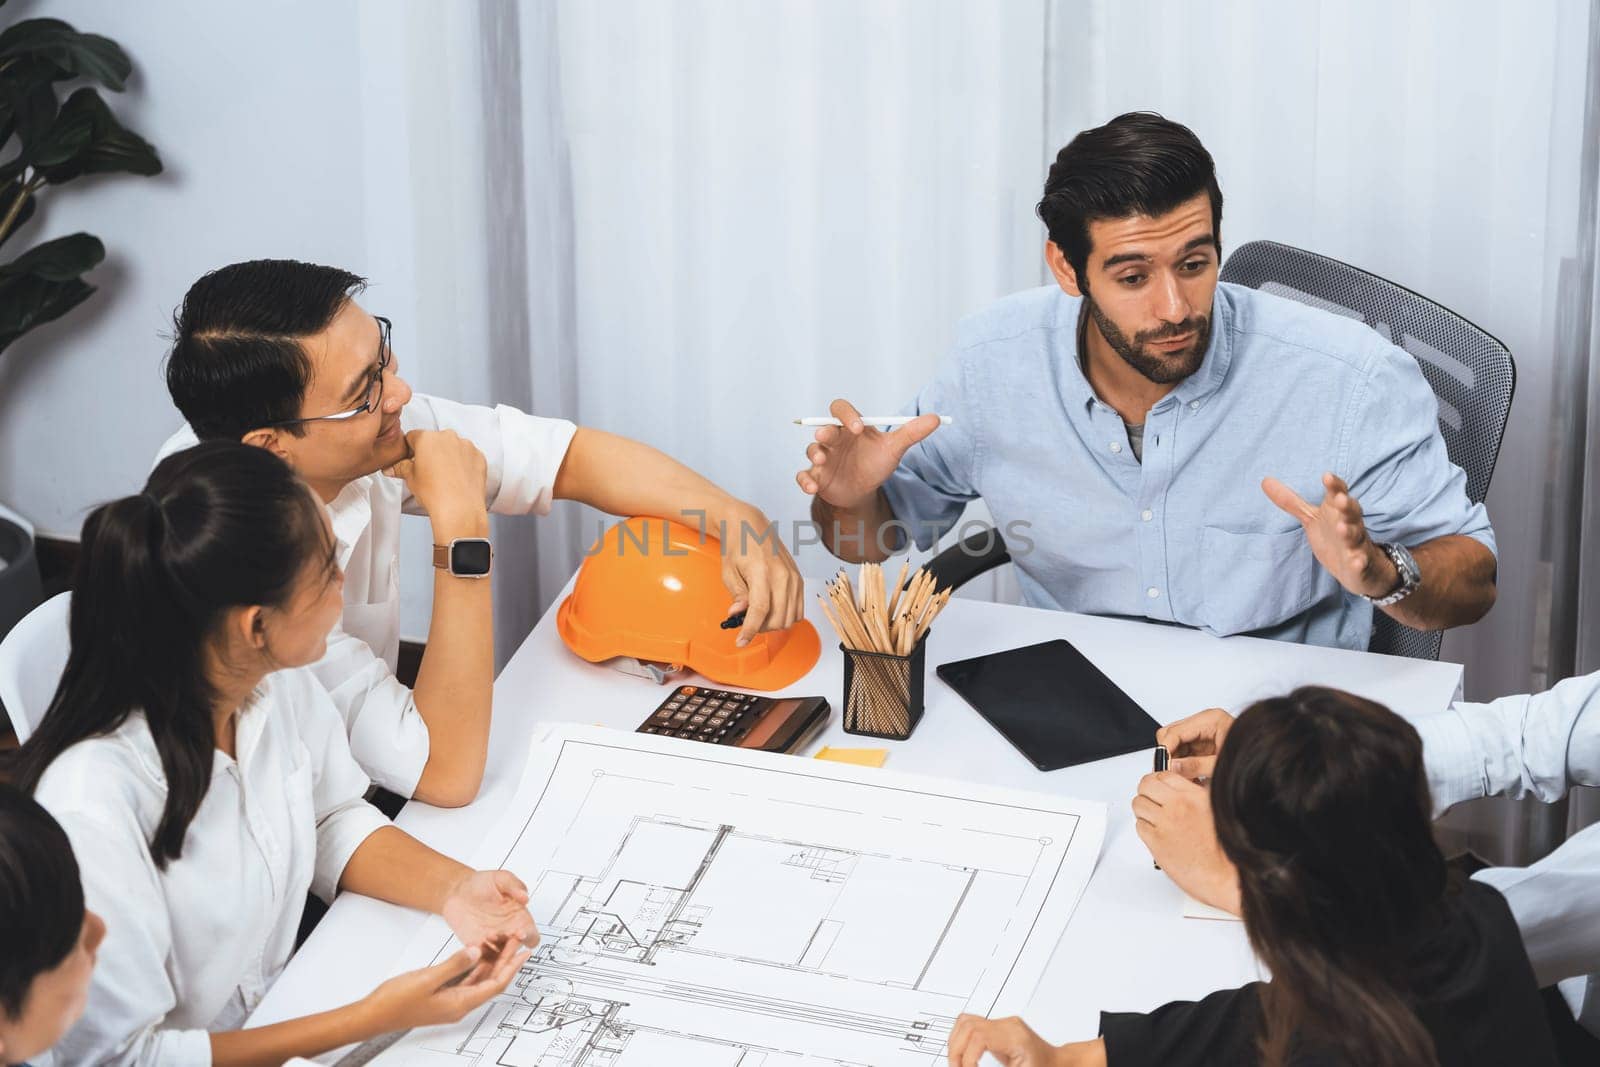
(1128, 948)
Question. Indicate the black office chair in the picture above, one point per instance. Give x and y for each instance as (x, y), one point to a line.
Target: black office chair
(1471, 373)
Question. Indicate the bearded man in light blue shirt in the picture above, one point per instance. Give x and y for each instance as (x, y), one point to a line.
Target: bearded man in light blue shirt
(1149, 440)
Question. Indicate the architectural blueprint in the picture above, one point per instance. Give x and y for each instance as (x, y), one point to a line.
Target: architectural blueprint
(723, 908)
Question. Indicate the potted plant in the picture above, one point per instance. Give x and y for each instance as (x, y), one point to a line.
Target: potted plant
(46, 140)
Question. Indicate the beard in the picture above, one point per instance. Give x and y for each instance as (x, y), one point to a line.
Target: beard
(1161, 368)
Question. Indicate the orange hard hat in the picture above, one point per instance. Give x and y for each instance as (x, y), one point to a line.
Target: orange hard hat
(652, 589)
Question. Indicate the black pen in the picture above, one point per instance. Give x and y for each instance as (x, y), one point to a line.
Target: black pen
(1161, 765)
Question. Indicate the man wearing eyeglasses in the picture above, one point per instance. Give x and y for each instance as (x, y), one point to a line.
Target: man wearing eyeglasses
(278, 354)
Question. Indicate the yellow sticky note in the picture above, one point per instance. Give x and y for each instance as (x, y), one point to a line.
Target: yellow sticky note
(861, 757)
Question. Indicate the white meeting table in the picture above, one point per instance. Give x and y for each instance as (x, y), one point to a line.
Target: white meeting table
(1127, 948)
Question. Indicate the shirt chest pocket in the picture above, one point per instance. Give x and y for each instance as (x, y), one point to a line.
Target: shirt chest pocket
(1250, 581)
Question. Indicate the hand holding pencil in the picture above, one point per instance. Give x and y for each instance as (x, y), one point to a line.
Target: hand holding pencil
(851, 460)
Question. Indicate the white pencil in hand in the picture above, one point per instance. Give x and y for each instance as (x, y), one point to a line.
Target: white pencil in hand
(866, 420)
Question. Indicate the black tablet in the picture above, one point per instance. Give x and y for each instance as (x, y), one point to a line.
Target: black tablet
(1052, 704)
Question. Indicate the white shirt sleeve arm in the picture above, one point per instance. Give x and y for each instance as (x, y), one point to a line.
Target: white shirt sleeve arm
(344, 818)
(131, 991)
(387, 735)
(523, 452)
(1557, 907)
(1536, 745)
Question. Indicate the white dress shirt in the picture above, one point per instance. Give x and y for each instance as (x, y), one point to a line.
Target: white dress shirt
(193, 948)
(523, 454)
(1538, 745)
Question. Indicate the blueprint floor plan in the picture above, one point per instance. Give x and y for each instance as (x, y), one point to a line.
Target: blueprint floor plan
(729, 909)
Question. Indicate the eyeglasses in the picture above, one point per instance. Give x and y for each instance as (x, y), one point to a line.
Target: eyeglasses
(374, 394)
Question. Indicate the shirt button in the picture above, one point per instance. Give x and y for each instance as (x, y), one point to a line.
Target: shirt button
(1152, 592)
(1116, 446)
(1194, 405)
(1147, 514)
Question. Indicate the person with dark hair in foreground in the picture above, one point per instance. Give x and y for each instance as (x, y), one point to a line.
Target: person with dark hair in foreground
(278, 354)
(206, 783)
(49, 937)
(1380, 955)
(1157, 445)
(1539, 745)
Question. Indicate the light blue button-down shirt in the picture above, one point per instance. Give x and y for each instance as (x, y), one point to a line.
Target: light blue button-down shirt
(1187, 536)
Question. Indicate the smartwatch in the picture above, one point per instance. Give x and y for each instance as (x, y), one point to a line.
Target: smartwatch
(1410, 575)
(465, 557)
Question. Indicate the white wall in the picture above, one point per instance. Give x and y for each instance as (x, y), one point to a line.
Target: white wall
(295, 129)
(263, 158)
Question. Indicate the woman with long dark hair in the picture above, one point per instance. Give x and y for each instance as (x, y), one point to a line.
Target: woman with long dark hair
(206, 784)
(1378, 956)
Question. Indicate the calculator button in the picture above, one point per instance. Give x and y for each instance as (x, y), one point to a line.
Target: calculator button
(673, 705)
(687, 690)
(697, 719)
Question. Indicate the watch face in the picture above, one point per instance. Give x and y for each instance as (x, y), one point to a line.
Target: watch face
(469, 556)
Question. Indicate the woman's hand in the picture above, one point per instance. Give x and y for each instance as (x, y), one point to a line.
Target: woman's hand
(445, 992)
(1011, 1041)
(487, 906)
(1194, 742)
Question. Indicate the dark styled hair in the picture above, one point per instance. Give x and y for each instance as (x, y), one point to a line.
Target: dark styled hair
(1321, 802)
(41, 896)
(237, 362)
(1136, 164)
(219, 526)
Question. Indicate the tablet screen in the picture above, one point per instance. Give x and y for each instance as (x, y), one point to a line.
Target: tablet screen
(1052, 704)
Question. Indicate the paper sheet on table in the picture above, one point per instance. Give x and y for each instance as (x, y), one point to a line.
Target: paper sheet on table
(1193, 909)
(713, 906)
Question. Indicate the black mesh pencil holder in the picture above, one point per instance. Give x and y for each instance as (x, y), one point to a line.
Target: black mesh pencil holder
(883, 692)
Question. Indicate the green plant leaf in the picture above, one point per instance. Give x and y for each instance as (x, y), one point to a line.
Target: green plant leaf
(70, 53)
(26, 302)
(62, 259)
(27, 101)
(43, 283)
(87, 139)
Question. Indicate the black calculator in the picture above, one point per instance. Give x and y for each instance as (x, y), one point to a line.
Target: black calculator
(743, 720)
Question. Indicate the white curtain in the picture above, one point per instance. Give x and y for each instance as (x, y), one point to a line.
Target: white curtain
(689, 222)
(771, 205)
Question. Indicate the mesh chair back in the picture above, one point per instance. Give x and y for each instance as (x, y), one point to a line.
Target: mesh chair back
(1471, 373)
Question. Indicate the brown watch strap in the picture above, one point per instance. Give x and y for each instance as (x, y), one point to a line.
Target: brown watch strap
(441, 557)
